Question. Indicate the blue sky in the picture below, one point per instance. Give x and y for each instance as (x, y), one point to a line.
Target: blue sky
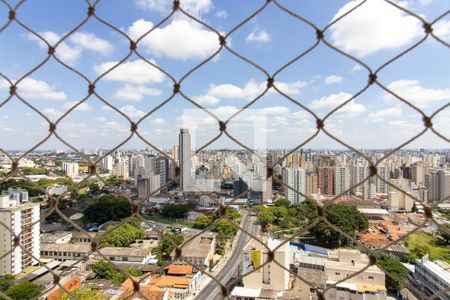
(374, 33)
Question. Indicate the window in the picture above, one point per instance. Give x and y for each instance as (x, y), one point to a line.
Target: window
(370, 277)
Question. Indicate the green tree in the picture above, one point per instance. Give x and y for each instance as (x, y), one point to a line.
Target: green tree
(166, 245)
(345, 217)
(283, 202)
(225, 227)
(5, 282)
(395, 267)
(202, 222)
(34, 171)
(265, 217)
(414, 208)
(123, 235)
(173, 210)
(105, 270)
(107, 208)
(24, 290)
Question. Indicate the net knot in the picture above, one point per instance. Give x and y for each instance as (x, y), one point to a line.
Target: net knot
(91, 11)
(51, 127)
(222, 40)
(222, 126)
(372, 78)
(319, 123)
(11, 15)
(428, 28)
(427, 122)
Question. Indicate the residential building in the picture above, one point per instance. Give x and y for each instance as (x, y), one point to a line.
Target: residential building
(70, 168)
(185, 159)
(243, 293)
(21, 218)
(341, 180)
(444, 183)
(382, 186)
(295, 178)
(325, 180)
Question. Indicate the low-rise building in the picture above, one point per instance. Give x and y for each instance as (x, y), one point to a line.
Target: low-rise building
(433, 276)
(63, 252)
(125, 254)
(241, 293)
(270, 275)
(326, 271)
(200, 250)
(61, 237)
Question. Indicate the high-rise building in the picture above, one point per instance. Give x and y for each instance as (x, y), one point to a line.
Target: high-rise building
(70, 168)
(22, 218)
(311, 183)
(444, 184)
(360, 172)
(294, 178)
(325, 180)
(432, 185)
(341, 179)
(184, 157)
(107, 163)
(418, 173)
(383, 172)
(121, 168)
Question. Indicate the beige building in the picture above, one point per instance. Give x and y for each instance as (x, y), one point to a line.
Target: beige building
(21, 218)
(199, 251)
(322, 272)
(271, 275)
(399, 201)
(63, 252)
(125, 254)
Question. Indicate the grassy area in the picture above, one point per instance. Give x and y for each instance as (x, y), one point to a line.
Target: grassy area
(160, 219)
(421, 243)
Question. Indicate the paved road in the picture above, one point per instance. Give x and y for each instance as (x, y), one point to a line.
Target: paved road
(212, 290)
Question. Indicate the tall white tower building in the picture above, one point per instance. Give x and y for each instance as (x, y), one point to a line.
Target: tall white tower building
(341, 179)
(185, 159)
(22, 218)
(295, 178)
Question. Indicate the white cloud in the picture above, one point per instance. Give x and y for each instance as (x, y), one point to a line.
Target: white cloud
(206, 100)
(411, 91)
(137, 72)
(252, 89)
(82, 107)
(80, 40)
(90, 41)
(276, 110)
(181, 39)
(381, 115)
(134, 93)
(106, 108)
(222, 14)
(100, 119)
(356, 68)
(442, 29)
(158, 121)
(52, 112)
(195, 7)
(258, 35)
(132, 111)
(30, 88)
(350, 109)
(333, 79)
(362, 32)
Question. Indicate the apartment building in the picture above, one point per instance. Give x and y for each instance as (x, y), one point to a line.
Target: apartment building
(323, 271)
(20, 218)
(70, 168)
(125, 254)
(271, 275)
(295, 178)
(63, 252)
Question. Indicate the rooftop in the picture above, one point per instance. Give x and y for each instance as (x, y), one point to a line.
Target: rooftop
(125, 251)
(85, 248)
(180, 269)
